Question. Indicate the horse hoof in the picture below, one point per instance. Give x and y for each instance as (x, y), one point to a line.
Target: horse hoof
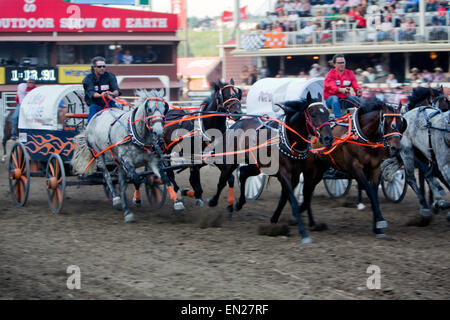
(238, 206)
(4, 158)
(116, 201)
(306, 240)
(212, 202)
(360, 206)
(230, 208)
(137, 203)
(381, 224)
(129, 217)
(199, 203)
(178, 205)
(380, 235)
(319, 227)
(425, 213)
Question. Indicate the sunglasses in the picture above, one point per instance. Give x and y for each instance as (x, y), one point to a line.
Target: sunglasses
(102, 66)
(341, 62)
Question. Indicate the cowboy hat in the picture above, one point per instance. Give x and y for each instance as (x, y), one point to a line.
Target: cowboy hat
(315, 65)
(414, 69)
(438, 69)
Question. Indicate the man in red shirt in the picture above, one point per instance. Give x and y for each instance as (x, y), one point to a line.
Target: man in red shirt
(340, 84)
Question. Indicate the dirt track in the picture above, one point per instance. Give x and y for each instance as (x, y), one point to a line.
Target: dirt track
(166, 255)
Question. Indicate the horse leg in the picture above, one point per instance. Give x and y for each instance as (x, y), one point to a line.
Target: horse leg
(280, 207)
(311, 181)
(371, 189)
(128, 215)
(194, 180)
(230, 199)
(4, 140)
(285, 180)
(225, 172)
(108, 180)
(137, 195)
(168, 178)
(244, 173)
(6, 136)
(360, 205)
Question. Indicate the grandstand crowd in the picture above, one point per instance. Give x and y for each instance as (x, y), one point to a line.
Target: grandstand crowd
(313, 20)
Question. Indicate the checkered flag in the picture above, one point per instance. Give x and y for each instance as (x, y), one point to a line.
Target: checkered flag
(252, 42)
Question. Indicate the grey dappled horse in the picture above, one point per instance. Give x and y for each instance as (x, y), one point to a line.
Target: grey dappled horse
(134, 135)
(428, 132)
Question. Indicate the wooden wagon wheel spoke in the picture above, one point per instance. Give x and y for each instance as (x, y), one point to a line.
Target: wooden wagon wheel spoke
(19, 174)
(51, 168)
(56, 183)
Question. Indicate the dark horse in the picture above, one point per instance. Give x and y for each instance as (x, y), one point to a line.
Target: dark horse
(7, 133)
(435, 98)
(288, 133)
(374, 125)
(224, 100)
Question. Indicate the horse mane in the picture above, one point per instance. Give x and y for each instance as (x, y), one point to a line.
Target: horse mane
(294, 106)
(144, 94)
(371, 105)
(419, 94)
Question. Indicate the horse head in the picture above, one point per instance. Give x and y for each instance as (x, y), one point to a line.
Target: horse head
(311, 114)
(228, 98)
(152, 107)
(392, 126)
(438, 99)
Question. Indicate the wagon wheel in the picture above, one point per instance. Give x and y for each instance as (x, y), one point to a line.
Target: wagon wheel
(55, 183)
(395, 190)
(298, 191)
(156, 191)
(19, 174)
(337, 188)
(254, 186)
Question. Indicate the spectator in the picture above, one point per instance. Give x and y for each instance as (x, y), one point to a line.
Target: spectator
(386, 29)
(151, 56)
(353, 3)
(391, 79)
(245, 76)
(415, 71)
(412, 6)
(431, 5)
(118, 55)
(280, 74)
(305, 34)
(315, 71)
(365, 77)
(127, 58)
(22, 91)
(253, 75)
(338, 4)
(288, 6)
(304, 8)
(408, 29)
(302, 74)
(292, 21)
(263, 71)
(438, 75)
(340, 83)
(427, 75)
(371, 76)
(359, 76)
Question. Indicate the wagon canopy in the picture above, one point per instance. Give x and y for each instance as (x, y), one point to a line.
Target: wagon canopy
(39, 108)
(264, 93)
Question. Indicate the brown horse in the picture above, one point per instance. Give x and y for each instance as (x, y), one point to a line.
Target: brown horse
(374, 128)
(289, 134)
(224, 101)
(421, 96)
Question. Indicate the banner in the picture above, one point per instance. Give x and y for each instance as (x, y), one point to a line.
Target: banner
(179, 8)
(228, 15)
(2, 75)
(73, 74)
(277, 40)
(59, 16)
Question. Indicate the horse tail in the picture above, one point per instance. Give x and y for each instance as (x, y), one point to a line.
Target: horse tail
(389, 167)
(82, 156)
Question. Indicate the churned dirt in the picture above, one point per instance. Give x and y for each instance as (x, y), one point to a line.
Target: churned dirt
(173, 255)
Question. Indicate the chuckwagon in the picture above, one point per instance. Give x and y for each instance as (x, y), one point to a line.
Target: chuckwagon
(50, 118)
(262, 99)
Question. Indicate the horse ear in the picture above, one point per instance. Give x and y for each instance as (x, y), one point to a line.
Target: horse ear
(232, 81)
(442, 88)
(308, 96)
(319, 97)
(404, 125)
(215, 86)
(161, 92)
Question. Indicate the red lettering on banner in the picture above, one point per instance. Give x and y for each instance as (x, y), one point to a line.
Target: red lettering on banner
(59, 16)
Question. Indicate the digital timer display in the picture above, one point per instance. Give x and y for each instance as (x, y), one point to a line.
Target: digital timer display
(22, 74)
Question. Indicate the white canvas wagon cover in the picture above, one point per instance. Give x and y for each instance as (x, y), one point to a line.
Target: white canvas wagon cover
(39, 108)
(264, 93)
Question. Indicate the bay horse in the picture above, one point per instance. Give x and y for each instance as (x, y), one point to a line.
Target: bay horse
(421, 96)
(286, 152)
(128, 139)
(182, 126)
(359, 150)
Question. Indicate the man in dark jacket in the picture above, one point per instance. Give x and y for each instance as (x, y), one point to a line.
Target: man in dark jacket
(97, 82)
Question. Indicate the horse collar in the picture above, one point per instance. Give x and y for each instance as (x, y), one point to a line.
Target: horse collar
(287, 149)
(132, 131)
(357, 128)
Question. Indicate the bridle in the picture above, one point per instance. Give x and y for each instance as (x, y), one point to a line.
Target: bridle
(434, 101)
(234, 98)
(315, 130)
(153, 118)
(393, 134)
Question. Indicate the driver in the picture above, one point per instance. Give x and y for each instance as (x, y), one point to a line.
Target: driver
(97, 82)
(340, 84)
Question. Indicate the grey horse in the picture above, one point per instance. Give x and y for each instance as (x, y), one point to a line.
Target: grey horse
(428, 132)
(128, 139)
